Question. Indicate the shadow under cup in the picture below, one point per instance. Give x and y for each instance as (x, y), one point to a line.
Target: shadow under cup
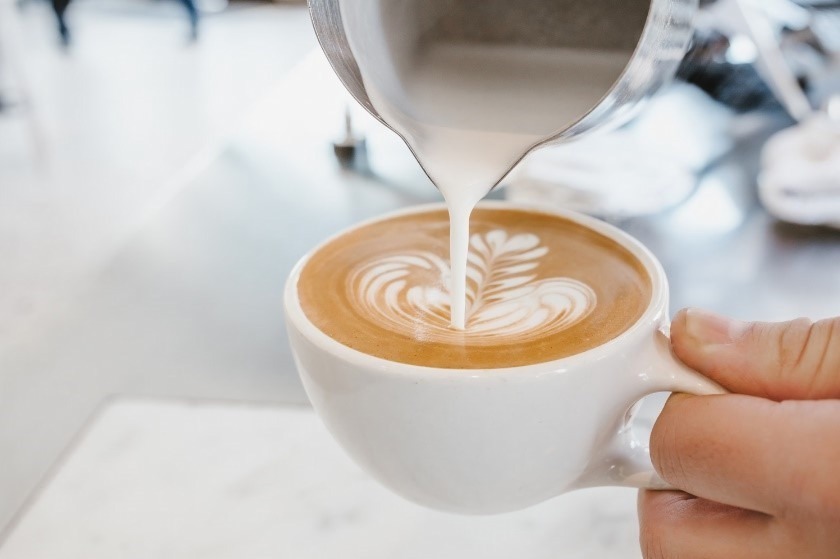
(485, 441)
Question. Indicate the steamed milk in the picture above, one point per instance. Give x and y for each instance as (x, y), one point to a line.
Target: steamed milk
(468, 112)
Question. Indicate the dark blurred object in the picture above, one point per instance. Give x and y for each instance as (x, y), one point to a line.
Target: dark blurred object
(766, 54)
(60, 7)
(351, 149)
(738, 86)
(60, 10)
(192, 13)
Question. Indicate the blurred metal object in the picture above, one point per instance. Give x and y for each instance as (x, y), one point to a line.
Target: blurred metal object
(772, 65)
(793, 46)
(655, 44)
(351, 146)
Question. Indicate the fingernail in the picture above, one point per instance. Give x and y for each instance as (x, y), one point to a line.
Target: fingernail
(709, 329)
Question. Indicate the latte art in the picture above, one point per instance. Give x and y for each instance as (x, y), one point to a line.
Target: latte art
(410, 293)
(539, 288)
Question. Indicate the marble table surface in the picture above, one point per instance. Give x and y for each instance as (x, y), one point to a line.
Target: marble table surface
(162, 479)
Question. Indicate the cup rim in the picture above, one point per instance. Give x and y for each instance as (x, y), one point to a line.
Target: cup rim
(652, 314)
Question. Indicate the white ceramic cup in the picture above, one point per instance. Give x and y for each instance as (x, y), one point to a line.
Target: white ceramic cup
(484, 441)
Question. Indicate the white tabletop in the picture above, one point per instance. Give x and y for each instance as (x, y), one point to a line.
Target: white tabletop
(166, 479)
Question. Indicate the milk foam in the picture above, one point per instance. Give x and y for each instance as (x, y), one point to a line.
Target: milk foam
(469, 112)
(540, 287)
(412, 293)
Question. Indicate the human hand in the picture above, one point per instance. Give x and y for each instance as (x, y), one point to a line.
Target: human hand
(760, 467)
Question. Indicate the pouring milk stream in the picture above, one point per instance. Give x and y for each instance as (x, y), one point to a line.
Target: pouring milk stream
(470, 109)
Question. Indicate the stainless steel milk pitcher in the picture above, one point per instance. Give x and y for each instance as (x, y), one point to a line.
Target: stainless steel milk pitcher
(642, 41)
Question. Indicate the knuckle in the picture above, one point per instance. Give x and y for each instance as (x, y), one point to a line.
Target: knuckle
(793, 344)
(803, 350)
(827, 346)
(817, 363)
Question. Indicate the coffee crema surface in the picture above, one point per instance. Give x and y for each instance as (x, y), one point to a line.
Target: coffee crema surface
(539, 288)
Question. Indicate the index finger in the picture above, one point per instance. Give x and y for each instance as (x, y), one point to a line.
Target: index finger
(749, 452)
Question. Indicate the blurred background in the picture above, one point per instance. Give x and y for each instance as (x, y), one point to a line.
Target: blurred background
(163, 164)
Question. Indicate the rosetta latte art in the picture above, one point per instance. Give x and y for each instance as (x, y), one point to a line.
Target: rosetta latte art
(408, 293)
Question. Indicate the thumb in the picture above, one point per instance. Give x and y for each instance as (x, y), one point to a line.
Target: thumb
(798, 360)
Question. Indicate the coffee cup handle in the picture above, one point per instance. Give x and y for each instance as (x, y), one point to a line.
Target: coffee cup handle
(626, 460)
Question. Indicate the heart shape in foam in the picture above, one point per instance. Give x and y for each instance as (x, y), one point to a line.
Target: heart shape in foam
(409, 293)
